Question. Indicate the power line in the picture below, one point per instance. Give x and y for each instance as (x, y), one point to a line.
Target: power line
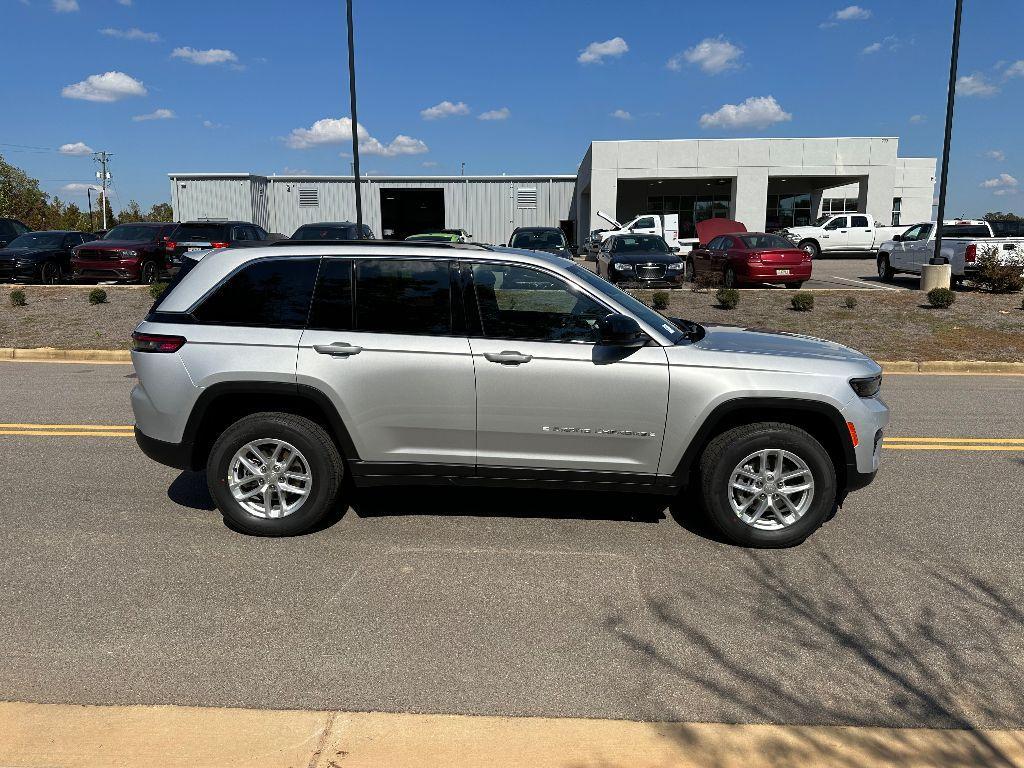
(103, 158)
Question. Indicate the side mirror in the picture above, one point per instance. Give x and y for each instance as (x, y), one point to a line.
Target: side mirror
(621, 331)
(897, 238)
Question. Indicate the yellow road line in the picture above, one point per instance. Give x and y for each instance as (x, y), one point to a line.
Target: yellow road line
(68, 433)
(66, 426)
(979, 440)
(934, 447)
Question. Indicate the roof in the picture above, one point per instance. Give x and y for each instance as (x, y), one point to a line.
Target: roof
(328, 224)
(292, 178)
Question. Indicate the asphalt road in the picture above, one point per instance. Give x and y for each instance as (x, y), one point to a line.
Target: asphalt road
(121, 584)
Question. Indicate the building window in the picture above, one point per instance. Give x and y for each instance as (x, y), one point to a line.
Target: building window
(839, 205)
(690, 208)
(788, 211)
(897, 204)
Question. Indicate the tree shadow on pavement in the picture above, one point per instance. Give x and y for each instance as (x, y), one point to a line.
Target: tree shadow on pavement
(940, 647)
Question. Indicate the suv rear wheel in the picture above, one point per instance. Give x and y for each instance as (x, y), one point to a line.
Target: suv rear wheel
(274, 474)
(767, 485)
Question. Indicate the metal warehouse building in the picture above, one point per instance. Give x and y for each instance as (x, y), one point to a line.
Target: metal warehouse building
(762, 182)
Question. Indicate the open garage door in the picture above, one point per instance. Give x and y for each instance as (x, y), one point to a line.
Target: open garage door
(405, 212)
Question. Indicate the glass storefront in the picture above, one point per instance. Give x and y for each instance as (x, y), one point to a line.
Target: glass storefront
(792, 210)
(839, 205)
(691, 209)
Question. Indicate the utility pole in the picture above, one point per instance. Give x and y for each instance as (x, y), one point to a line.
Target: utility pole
(88, 194)
(103, 158)
(355, 120)
(950, 96)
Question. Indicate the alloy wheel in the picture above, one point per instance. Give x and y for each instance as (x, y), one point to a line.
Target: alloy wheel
(771, 489)
(50, 273)
(269, 478)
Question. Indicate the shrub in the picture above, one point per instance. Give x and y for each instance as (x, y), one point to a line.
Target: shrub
(17, 298)
(803, 301)
(850, 302)
(97, 296)
(1000, 272)
(728, 298)
(156, 290)
(941, 298)
(659, 300)
(704, 283)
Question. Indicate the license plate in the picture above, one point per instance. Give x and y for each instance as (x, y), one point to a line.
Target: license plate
(781, 271)
(195, 248)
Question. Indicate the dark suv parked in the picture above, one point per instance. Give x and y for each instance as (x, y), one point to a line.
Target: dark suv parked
(10, 229)
(136, 252)
(544, 239)
(203, 235)
(43, 257)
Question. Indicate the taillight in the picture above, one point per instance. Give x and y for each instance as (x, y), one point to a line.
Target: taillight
(806, 256)
(219, 245)
(152, 342)
(971, 253)
(754, 256)
(170, 245)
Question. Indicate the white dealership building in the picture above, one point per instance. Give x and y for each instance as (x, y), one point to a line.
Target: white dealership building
(764, 183)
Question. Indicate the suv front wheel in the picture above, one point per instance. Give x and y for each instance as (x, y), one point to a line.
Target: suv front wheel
(274, 474)
(767, 485)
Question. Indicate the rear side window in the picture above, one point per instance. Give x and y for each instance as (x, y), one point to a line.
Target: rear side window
(399, 296)
(859, 221)
(332, 301)
(201, 233)
(268, 294)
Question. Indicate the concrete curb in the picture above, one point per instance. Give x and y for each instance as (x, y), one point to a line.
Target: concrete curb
(961, 367)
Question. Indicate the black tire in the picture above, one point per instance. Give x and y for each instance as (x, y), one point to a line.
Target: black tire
(50, 273)
(325, 468)
(729, 278)
(798, 284)
(149, 272)
(812, 247)
(725, 452)
(885, 270)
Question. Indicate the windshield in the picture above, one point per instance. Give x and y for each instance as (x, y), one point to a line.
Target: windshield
(637, 308)
(132, 232)
(538, 240)
(765, 241)
(324, 233)
(432, 238)
(640, 243)
(820, 221)
(37, 240)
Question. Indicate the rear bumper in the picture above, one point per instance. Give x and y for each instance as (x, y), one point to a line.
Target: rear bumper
(177, 455)
(758, 273)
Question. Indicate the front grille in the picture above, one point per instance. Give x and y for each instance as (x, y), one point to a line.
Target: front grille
(650, 271)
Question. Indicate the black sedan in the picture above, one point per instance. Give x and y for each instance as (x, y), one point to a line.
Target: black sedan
(43, 257)
(643, 259)
(546, 239)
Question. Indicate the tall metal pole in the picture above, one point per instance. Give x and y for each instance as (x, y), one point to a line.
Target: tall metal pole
(103, 158)
(355, 119)
(950, 97)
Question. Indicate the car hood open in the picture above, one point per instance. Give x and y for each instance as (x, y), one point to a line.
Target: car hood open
(709, 229)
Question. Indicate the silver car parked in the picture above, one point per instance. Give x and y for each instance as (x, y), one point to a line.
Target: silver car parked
(281, 369)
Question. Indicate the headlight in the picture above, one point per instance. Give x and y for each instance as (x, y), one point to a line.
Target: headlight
(676, 267)
(127, 254)
(867, 387)
(623, 267)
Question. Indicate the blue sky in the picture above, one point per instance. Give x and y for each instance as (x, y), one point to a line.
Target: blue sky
(515, 87)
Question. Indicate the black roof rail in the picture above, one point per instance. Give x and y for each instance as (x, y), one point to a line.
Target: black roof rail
(387, 243)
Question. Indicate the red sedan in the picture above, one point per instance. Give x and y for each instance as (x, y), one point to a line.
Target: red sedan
(745, 258)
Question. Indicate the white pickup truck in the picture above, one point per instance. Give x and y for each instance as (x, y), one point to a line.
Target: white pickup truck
(962, 245)
(841, 232)
(664, 224)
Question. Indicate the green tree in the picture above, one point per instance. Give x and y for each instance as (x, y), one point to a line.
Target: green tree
(131, 212)
(160, 212)
(20, 196)
(1000, 216)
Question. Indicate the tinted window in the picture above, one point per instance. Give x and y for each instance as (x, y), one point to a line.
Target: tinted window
(270, 294)
(332, 302)
(537, 240)
(258, 233)
(323, 233)
(37, 240)
(241, 234)
(966, 230)
(639, 243)
(765, 241)
(200, 233)
(1007, 228)
(837, 223)
(859, 221)
(7, 231)
(522, 303)
(715, 243)
(645, 223)
(395, 296)
(133, 233)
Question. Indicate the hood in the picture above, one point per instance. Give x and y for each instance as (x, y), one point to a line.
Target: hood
(709, 229)
(609, 219)
(734, 338)
(645, 257)
(22, 253)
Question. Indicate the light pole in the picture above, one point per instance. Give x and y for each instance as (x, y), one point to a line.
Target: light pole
(355, 120)
(950, 97)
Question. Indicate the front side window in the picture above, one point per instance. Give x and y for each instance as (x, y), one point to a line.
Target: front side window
(240, 234)
(517, 302)
(403, 296)
(837, 223)
(644, 223)
(913, 233)
(271, 293)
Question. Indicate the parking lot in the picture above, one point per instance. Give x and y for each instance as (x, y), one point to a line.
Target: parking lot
(124, 586)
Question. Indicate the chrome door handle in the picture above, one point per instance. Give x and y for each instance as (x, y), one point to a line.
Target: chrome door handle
(508, 358)
(337, 349)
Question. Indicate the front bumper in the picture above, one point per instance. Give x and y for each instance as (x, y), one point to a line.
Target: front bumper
(104, 269)
(12, 272)
(629, 279)
(870, 417)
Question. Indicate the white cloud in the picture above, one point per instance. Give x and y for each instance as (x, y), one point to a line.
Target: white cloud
(110, 86)
(211, 124)
(157, 114)
(873, 48)
(755, 112)
(1015, 70)
(331, 130)
(849, 13)
(975, 85)
(996, 154)
(125, 2)
(1005, 191)
(597, 51)
(890, 43)
(204, 58)
(131, 34)
(65, 6)
(1002, 181)
(444, 109)
(713, 55)
(78, 189)
(429, 164)
(495, 114)
(622, 114)
(918, 118)
(77, 149)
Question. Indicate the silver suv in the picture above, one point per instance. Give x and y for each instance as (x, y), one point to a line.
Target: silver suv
(282, 369)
